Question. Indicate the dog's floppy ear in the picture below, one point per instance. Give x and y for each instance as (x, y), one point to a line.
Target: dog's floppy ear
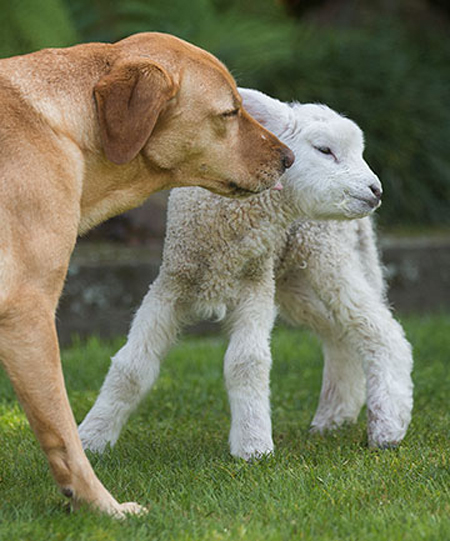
(129, 100)
(270, 112)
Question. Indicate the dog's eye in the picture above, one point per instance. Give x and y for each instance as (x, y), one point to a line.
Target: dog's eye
(230, 114)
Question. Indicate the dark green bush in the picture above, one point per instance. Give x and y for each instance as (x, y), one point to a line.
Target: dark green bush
(390, 79)
(28, 25)
(398, 90)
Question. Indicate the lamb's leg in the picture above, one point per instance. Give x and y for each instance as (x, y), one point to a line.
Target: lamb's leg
(343, 387)
(388, 365)
(373, 336)
(334, 296)
(370, 332)
(343, 383)
(367, 330)
(247, 372)
(133, 371)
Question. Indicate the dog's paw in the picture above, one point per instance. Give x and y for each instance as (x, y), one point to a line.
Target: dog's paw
(124, 510)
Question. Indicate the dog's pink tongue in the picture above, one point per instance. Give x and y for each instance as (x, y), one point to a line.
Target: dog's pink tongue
(278, 186)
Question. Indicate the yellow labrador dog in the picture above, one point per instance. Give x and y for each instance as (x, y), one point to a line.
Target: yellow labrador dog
(85, 133)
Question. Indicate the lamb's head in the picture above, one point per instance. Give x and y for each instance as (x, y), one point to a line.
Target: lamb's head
(329, 178)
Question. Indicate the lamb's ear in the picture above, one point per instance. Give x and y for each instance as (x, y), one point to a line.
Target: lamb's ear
(269, 111)
(129, 100)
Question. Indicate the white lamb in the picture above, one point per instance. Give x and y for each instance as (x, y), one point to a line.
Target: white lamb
(239, 260)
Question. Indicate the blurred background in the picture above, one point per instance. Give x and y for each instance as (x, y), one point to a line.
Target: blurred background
(383, 63)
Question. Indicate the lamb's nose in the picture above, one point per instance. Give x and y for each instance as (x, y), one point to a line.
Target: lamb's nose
(376, 190)
(288, 158)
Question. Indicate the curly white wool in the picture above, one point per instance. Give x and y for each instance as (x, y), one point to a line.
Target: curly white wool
(242, 260)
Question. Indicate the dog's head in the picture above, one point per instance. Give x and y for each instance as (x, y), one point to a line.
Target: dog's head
(178, 107)
(330, 178)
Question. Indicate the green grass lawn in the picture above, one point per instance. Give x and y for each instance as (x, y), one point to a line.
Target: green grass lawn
(173, 455)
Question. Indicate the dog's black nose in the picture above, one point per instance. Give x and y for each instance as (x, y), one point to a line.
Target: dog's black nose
(288, 158)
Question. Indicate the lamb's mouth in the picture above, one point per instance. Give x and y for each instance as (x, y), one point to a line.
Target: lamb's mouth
(372, 202)
(355, 206)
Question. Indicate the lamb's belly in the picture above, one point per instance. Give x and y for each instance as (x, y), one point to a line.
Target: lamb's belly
(219, 292)
(213, 279)
(218, 289)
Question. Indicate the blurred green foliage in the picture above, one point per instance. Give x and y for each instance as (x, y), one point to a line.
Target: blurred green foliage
(28, 25)
(392, 79)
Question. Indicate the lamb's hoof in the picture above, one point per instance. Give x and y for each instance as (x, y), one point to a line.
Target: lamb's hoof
(94, 440)
(252, 452)
(322, 429)
(382, 443)
(383, 433)
(385, 445)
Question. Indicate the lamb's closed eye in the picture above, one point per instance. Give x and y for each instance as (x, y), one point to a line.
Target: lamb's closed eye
(325, 150)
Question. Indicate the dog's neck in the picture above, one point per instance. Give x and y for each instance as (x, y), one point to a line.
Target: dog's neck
(110, 189)
(107, 189)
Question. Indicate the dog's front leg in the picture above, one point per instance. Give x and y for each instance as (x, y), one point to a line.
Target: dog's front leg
(247, 371)
(29, 351)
